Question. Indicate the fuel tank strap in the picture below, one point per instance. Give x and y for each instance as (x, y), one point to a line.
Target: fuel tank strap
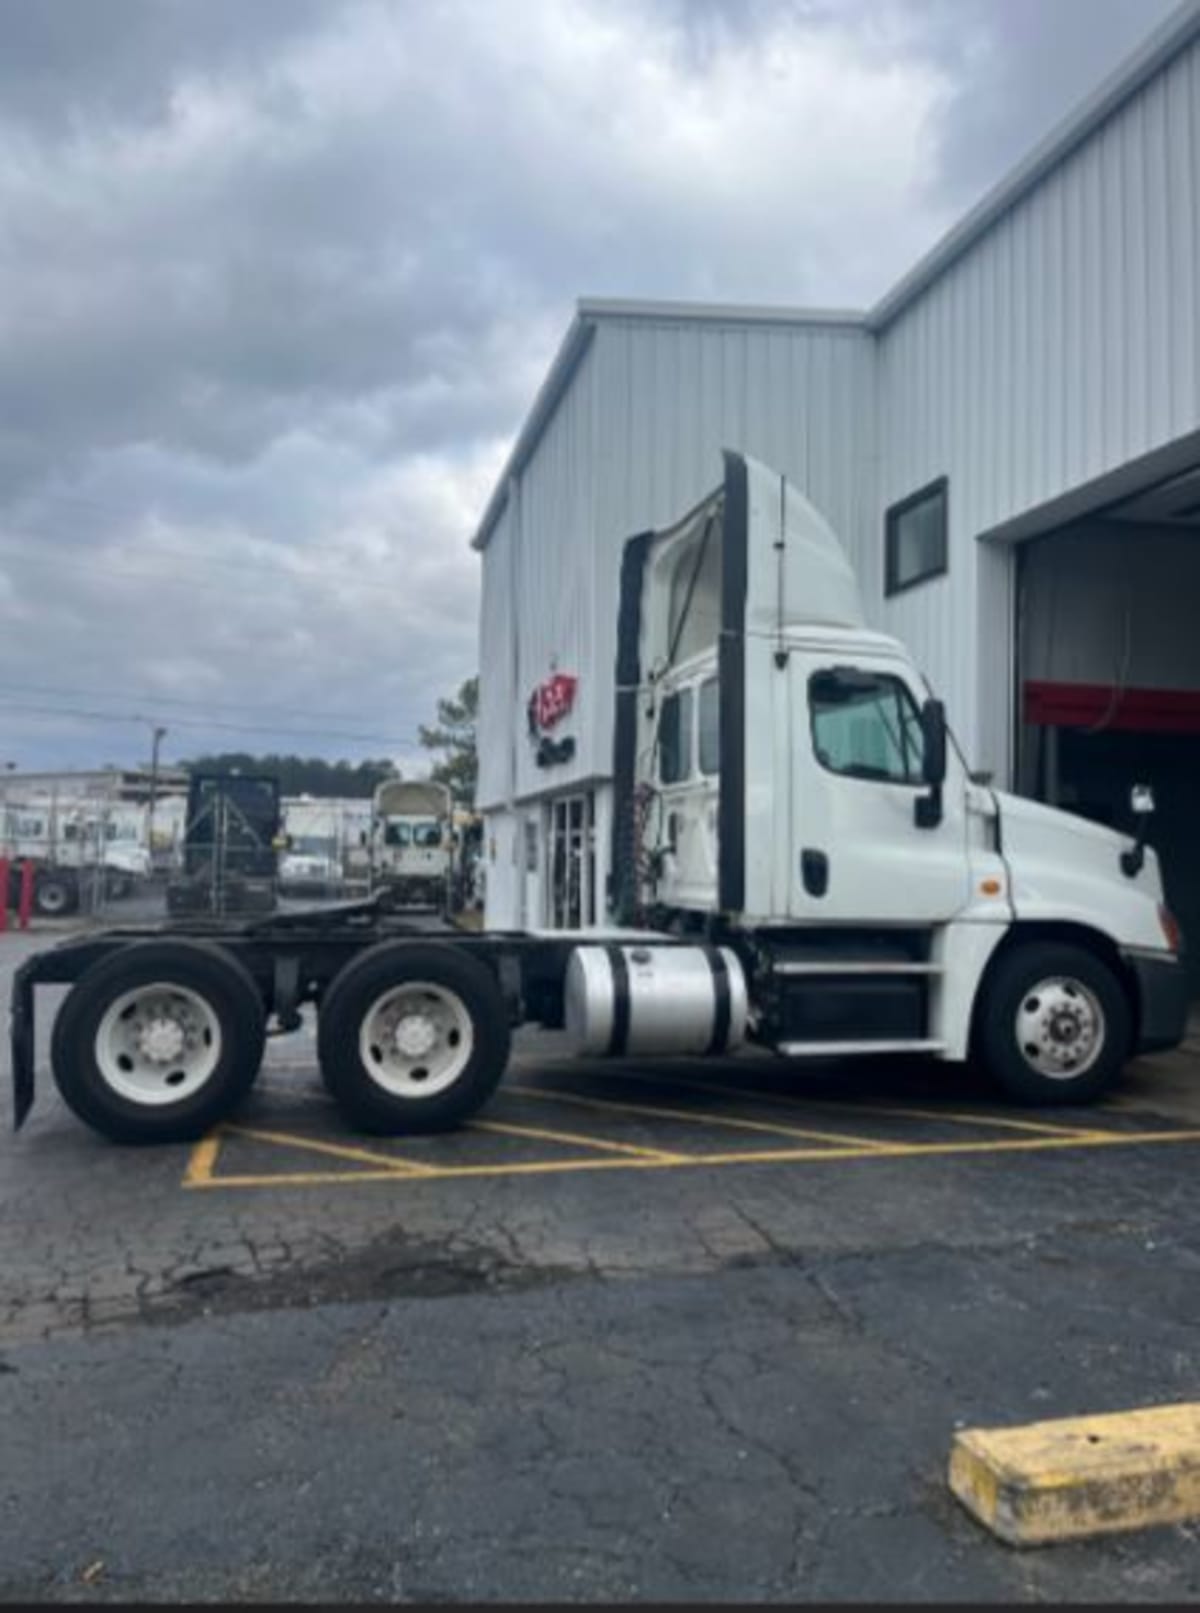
(619, 1040)
(722, 1007)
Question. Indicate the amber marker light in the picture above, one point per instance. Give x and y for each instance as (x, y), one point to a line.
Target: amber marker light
(1170, 928)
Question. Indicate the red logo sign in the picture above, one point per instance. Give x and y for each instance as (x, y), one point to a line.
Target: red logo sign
(551, 701)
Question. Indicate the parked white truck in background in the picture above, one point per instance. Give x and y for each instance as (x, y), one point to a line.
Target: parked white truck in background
(411, 847)
(82, 850)
(801, 860)
(313, 861)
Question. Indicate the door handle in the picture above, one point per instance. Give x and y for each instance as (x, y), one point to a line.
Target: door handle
(814, 870)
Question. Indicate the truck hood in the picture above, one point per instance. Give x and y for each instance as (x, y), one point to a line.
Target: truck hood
(127, 859)
(305, 865)
(1066, 866)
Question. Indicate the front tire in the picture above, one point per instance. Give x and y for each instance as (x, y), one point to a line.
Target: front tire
(1054, 1026)
(54, 896)
(412, 1039)
(159, 1041)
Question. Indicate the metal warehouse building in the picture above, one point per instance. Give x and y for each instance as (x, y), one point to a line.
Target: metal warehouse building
(1008, 445)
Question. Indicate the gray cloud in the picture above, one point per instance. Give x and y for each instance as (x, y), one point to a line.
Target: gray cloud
(278, 280)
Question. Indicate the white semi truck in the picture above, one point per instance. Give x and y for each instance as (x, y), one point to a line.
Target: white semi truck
(801, 860)
(411, 843)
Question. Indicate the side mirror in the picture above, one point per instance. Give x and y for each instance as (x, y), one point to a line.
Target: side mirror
(933, 735)
(927, 809)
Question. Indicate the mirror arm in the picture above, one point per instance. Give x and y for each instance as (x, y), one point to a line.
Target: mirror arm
(1133, 858)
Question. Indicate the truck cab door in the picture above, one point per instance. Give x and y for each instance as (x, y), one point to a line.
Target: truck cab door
(872, 841)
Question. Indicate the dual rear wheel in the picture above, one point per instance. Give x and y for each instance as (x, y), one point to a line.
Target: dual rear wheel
(159, 1041)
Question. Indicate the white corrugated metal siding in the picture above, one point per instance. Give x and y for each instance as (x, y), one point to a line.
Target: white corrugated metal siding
(635, 440)
(497, 649)
(1063, 343)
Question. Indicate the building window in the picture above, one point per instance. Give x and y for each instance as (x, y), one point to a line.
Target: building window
(915, 538)
(675, 738)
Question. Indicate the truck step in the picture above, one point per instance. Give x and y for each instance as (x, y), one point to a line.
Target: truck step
(853, 966)
(837, 1050)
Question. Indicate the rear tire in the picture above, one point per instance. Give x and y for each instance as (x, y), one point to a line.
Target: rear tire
(412, 1038)
(159, 1041)
(1054, 1026)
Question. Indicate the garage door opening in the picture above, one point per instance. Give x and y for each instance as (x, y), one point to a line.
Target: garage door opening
(1108, 659)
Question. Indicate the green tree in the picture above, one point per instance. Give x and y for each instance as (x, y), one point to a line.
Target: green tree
(454, 737)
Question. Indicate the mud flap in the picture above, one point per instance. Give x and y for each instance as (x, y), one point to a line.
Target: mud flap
(21, 1038)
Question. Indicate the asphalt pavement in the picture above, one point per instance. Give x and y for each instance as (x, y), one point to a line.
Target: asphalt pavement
(689, 1331)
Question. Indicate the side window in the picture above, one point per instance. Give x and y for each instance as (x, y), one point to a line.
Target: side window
(710, 733)
(865, 725)
(675, 738)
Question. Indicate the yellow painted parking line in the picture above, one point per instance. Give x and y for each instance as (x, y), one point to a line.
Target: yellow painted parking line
(785, 1100)
(201, 1161)
(1081, 1476)
(1003, 1122)
(507, 1130)
(364, 1156)
(695, 1116)
(775, 1156)
(535, 1167)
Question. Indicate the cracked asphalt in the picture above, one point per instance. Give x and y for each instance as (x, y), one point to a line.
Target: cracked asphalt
(736, 1381)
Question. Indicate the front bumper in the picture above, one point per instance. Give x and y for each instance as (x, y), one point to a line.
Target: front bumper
(1164, 996)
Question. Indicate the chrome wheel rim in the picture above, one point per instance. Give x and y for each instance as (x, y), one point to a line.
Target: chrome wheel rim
(416, 1039)
(1060, 1028)
(158, 1044)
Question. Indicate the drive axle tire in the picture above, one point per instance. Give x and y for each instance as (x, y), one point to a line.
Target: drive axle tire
(159, 1041)
(412, 1038)
(1054, 1026)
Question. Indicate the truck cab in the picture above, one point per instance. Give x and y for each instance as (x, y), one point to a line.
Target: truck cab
(411, 843)
(787, 783)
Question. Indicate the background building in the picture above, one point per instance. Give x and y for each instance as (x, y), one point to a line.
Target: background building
(1008, 444)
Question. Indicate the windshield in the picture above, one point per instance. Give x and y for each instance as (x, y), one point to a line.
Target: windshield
(425, 835)
(314, 845)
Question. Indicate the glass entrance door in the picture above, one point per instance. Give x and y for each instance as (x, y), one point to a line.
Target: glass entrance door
(572, 894)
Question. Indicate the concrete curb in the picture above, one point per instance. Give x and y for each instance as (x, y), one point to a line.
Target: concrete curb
(1081, 1476)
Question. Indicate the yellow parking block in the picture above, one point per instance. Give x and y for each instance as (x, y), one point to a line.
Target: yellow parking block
(1080, 1476)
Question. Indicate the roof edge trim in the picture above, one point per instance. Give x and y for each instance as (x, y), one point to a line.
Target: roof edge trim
(718, 312)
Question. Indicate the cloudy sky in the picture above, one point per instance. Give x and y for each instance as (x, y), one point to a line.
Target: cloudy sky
(279, 278)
